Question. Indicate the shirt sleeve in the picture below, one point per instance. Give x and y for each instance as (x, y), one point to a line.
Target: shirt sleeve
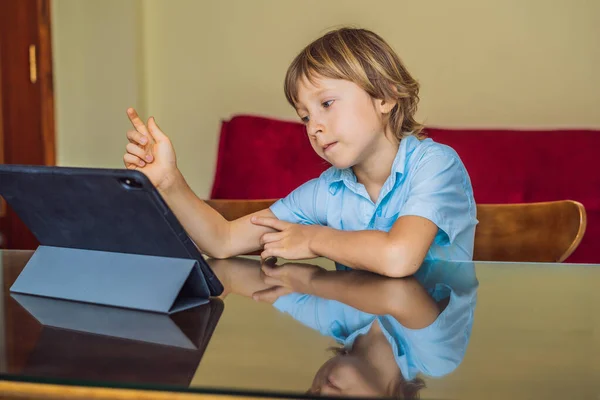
(329, 317)
(440, 191)
(305, 205)
(439, 348)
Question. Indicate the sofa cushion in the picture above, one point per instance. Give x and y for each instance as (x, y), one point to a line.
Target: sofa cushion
(263, 158)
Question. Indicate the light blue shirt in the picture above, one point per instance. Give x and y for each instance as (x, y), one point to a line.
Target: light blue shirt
(427, 179)
(434, 351)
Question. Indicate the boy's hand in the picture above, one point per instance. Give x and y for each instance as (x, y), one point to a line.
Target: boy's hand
(151, 152)
(291, 242)
(285, 279)
(271, 294)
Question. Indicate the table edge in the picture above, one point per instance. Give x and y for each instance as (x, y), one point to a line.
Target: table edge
(20, 390)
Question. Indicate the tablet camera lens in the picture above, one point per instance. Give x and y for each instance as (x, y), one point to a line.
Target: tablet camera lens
(129, 183)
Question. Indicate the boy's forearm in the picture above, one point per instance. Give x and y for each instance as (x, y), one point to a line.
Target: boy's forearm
(403, 298)
(206, 227)
(370, 250)
(241, 276)
(362, 290)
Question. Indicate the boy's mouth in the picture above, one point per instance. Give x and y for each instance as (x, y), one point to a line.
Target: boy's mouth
(329, 146)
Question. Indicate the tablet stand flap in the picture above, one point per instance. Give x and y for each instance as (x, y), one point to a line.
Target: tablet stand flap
(140, 282)
(141, 326)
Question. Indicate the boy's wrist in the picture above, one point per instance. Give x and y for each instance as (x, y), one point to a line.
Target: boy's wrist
(315, 239)
(312, 286)
(172, 183)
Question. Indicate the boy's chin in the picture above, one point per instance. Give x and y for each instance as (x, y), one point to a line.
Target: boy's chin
(338, 162)
(341, 165)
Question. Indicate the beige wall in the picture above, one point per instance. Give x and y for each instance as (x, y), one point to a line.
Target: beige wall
(190, 63)
(95, 53)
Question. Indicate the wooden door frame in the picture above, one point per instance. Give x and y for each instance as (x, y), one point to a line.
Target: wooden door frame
(41, 74)
(47, 86)
(2, 149)
(43, 61)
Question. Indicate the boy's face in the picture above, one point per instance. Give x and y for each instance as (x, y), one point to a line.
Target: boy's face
(344, 123)
(348, 375)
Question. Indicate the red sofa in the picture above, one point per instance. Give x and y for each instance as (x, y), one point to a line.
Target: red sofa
(267, 158)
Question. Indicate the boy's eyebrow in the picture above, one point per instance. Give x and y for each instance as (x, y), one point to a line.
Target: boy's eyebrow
(299, 112)
(320, 91)
(299, 108)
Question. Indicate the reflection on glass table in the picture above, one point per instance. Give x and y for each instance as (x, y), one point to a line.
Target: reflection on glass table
(388, 330)
(87, 342)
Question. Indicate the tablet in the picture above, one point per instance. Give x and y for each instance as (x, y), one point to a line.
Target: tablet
(113, 210)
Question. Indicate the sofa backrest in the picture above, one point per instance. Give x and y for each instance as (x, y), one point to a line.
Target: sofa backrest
(265, 158)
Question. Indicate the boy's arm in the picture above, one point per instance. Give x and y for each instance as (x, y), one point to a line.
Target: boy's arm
(397, 253)
(242, 276)
(403, 298)
(150, 151)
(212, 233)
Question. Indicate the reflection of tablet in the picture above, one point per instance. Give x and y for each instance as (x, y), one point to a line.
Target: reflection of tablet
(115, 210)
(108, 344)
(187, 329)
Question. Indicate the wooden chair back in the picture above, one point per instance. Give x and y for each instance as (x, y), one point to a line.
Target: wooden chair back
(529, 232)
(234, 209)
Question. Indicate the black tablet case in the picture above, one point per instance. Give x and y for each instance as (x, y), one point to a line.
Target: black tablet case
(106, 237)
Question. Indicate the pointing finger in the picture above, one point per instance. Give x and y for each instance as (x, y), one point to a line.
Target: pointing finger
(137, 123)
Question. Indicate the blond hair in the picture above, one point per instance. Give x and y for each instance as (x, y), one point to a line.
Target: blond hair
(362, 57)
(400, 390)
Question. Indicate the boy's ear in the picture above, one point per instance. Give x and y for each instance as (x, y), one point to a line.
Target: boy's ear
(386, 106)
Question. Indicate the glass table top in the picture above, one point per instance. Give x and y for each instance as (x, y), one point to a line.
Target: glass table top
(463, 330)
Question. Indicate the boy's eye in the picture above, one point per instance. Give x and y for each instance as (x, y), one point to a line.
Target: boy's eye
(327, 103)
(305, 119)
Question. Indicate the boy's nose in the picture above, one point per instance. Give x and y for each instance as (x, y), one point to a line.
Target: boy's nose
(316, 129)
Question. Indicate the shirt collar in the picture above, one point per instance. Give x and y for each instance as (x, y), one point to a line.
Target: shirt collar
(399, 349)
(407, 145)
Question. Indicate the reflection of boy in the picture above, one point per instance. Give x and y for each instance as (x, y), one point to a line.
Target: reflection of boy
(426, 320)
